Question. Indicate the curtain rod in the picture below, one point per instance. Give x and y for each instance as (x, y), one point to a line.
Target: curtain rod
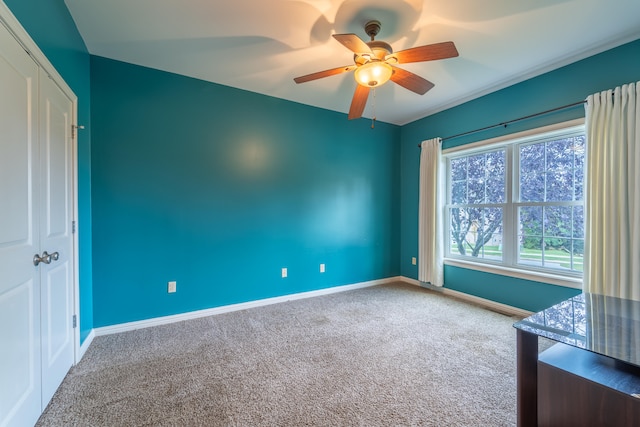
(504, 124)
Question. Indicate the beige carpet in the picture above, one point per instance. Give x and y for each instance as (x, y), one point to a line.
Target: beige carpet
(393, 355)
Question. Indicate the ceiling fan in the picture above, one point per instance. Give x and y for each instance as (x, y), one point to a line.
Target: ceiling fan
(374, 65)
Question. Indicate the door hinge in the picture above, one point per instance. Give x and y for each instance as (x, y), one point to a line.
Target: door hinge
(75, 321)
(73, 227)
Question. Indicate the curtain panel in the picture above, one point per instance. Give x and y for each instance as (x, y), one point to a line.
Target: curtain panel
(612, 193)
(431, 214)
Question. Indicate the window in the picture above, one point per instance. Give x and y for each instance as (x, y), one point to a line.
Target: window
(519, 202)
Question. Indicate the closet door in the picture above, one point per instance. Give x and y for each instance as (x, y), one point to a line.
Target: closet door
(56, 204)
(36, 245)
(20, 379)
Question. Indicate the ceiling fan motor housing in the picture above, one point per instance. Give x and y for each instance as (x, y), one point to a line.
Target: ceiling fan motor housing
(372, 28)
(380, 49)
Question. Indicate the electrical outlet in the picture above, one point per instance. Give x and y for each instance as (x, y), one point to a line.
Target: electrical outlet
(321, 268)
(171, 287)
(413, 260)
(284, 272)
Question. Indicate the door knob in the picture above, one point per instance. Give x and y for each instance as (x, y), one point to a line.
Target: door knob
(46, 258)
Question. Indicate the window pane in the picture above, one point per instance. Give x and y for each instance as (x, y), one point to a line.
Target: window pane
(530, 238)
(495, 161)
(476, 190)
(552, 171)
(459, 169)
(559, 155)
(478, 179)
(560, 185)
(578, 221)
(459, 227)
(579, 184)
(578, 145)
(546, 237)
(532, 167)
(530, 226)
(558, 228)
(476, 232)
(532, 186)
(531, 255)
(557, 253)
(558, 221)
(578, 148)
(476, 166)
(495, 177)
(490, 234)
(459, 192)
(578, 254)
(531, 158)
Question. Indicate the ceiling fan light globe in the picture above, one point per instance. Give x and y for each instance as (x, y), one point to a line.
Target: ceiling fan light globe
(373, 74)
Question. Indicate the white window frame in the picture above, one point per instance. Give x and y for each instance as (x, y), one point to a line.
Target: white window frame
(509, 265)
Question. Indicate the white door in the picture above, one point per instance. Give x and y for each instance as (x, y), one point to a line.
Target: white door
(36, 347)
(56, 291)
(20, 390)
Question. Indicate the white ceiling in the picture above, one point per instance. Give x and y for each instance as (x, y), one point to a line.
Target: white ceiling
(261, 45)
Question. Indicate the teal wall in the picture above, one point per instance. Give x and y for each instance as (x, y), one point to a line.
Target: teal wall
(563, 86)
(219, 188)
(50, 25)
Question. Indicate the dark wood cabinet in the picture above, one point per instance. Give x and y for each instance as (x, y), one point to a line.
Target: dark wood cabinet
(581, 388)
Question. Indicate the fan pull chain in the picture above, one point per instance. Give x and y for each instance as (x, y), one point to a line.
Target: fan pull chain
(373, 120)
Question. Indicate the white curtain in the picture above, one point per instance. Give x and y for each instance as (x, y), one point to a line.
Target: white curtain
(430, 232)
(612, 215)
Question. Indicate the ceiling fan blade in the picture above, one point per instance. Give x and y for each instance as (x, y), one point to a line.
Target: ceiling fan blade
(354, 43)
(358, 102)
(429, 52)
(411, 81)
(325, 73)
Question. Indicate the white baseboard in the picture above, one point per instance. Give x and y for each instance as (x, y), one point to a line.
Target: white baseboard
(85, 345)
(410, 281)
(130, 326)
(492, 305)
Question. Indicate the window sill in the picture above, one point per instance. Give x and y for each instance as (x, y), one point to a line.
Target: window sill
(553, 279)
